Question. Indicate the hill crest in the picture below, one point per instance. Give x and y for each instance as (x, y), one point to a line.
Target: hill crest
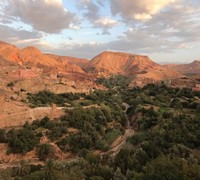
(109, 62)
(191, 68)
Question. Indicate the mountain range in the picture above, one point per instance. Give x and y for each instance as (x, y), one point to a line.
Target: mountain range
(104, 64)
(28, 70)
(191, 68)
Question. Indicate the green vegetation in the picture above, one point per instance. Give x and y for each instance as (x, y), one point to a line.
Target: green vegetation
(114, 81)
(92, 124)
(111, 135)
(46, 98)
(44, 152)
(165, 144)
(22, 140)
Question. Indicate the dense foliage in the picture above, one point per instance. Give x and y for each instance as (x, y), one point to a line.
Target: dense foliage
(165, 145)
(22, 140)
(114, 81)
(44, 151)
(46, 98)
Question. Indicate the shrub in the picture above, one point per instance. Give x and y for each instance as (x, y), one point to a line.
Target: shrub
(10, 84)
(22, 140)
(44, 151)
(112, 135)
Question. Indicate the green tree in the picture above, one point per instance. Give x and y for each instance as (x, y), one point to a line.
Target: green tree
(22, 140)
(23, 168)
(49, 169)
(44, 151)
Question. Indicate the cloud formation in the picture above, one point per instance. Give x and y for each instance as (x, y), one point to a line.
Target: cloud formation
(138, 10)
(105, 23)
(12, 35)
(44, 15)
(136, 26)
(91, 12)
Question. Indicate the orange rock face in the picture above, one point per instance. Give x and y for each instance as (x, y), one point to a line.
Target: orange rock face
(191, 68)
(142, 68)
(8, 51)
(27, 74)
(118, 62)
(128, 64)
(31, 56)
(71, 60)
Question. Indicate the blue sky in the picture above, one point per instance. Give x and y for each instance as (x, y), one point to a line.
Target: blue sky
(165, 30)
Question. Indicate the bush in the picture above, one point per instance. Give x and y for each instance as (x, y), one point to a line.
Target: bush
(10, 84)
(137, 138)
(22, 140)
(80, 141)
(3, 137)
(112, 135)
(44, 151)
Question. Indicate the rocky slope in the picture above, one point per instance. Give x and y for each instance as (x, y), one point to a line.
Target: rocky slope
(129, 64)
(8, 51)
(81, 62)
(4, 62)
(31, 56)
(191, 68)
(106, 63)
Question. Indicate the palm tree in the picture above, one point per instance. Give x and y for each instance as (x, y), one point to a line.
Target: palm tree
(49, 168)
(23, 168)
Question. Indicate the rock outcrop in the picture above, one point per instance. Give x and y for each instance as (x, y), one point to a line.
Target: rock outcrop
(33, 57)
(129, 64)
(81, 62)
(191, 68)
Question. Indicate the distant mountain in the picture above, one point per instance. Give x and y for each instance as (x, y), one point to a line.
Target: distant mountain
(191, 68)
(81, 62)
(8, 51)
(106, 63)
(4, 62)
(128, 64)
(31, 56)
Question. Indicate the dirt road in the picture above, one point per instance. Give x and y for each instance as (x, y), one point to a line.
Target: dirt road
(19, 118)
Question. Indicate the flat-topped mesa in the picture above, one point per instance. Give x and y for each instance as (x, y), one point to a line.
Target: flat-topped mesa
(119, 62)
(106, 63)
(142, 67)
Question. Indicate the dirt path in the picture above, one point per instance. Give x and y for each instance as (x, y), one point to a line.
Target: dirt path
(115, 150)
(118, 144)
(19, 118)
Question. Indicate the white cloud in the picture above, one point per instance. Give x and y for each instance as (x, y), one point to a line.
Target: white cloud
(48, 16)
(24, 38)
(170, 30)
(150, 26)
(91, 12)
(106, 22)
(138, 9)
(7, 34)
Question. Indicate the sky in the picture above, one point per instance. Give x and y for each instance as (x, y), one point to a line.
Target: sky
(168, 31)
